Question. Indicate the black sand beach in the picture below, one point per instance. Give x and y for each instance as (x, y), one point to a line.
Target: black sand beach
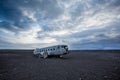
(78, 65)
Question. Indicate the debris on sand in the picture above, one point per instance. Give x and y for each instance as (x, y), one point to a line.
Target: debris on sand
(105, 76)
(80, 78)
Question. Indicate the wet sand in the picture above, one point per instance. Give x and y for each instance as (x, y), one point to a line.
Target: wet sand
(78, 65)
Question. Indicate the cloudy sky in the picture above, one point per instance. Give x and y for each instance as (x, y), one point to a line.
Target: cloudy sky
(81, 24)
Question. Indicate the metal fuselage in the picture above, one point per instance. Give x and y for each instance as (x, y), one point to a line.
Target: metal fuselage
(53, 50)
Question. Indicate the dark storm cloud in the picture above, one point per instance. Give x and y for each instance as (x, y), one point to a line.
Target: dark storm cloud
(11, 15)
(110, 28)
(7, 26)
(12, 11)
(95, 6)
(14, 27)
(11, 8)
(115, 3)
(111, 3)
(103, 43)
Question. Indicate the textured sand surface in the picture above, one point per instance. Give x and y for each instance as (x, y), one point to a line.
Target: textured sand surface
(78, 65)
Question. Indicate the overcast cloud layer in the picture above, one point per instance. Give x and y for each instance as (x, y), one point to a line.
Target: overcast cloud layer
(81, 24)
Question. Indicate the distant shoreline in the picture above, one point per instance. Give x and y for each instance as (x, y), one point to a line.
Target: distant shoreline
(69, 50)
